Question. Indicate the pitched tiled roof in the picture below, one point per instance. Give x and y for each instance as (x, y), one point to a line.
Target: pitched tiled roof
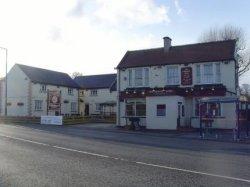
(97, 81)
(44, 76)
(193, 53)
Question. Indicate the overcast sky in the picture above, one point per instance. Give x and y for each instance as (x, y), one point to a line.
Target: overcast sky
(91, 36)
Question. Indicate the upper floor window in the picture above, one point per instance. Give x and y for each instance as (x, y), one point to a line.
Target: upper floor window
(146, 76)
(138, 77)
(208, 73)
(130, 77)
(198, 74)
(217, 73)
(172, 75)
(70, 91)
(43, 88)
(93, 93)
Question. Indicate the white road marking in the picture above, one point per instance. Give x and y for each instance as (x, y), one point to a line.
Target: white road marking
(24, 140)
(125, 160)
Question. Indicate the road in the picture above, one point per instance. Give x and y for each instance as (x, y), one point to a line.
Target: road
(35, 155)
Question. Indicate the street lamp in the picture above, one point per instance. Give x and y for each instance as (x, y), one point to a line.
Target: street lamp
(6, 62)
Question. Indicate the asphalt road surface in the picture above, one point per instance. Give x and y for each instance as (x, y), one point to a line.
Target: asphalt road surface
(35, 155)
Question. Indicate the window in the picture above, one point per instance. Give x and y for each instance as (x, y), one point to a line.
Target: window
(93, 93)
(183, 110)
(70, 91)
(136, 108)
(138, 77)
(140, 109)
(38, 105)
(198, 74)
(172, 75)
(208, 73)
(217, 73)
(73, 107)
(97, 107)
(43, 88)
(211, 109)
(81, 93)
(130, 111)
(146, 76)
(130, 77)
(160, 110)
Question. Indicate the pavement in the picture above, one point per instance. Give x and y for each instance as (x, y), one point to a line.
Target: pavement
(94, 155)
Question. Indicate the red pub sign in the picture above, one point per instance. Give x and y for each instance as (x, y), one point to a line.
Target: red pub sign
(186, 76)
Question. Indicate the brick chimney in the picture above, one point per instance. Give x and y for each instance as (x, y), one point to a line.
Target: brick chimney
(167, 43)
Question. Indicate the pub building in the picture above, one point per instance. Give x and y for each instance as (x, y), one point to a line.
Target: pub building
(161, 87)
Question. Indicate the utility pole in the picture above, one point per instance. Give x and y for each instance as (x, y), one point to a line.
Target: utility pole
(6, 84)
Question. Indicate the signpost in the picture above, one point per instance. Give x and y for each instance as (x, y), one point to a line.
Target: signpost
(186, 76)
(54, 100)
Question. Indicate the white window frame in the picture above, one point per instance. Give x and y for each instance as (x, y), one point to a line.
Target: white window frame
(138, 78)
(167, 76)
(198, 77)
(73, 107)
(145, 77)
(93, 93)
(217, 76)
(208, 76)
(70, 91)
(130, 77)
(43, 88)
(214, 76)
(38, 105)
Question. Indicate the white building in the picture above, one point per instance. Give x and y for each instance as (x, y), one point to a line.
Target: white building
(34, 92)
(162, 86)
(97, 95)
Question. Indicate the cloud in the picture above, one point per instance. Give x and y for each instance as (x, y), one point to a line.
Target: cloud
(178, 7)
(55, 34)
(81, 35)
(130, 12)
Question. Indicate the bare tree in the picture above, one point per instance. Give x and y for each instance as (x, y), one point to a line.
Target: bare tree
(229, 32)
(245, 91)
(76, 74)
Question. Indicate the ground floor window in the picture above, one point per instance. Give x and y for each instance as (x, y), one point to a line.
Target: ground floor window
(136, 108)
(97, 107)
(73, 107)
(212, 109)
(161, 110)
(38, 105)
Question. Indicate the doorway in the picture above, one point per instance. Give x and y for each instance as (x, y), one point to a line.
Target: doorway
(86, 110)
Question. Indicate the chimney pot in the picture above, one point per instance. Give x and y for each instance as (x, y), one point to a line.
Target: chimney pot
(167, 43)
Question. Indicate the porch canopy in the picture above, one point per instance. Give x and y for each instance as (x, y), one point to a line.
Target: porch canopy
(238, 105)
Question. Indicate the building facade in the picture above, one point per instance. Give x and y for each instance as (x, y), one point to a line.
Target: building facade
(35, 92)
(97, 95)
(162, 86)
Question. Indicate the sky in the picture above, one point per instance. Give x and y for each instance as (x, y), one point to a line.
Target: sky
(91, 36)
